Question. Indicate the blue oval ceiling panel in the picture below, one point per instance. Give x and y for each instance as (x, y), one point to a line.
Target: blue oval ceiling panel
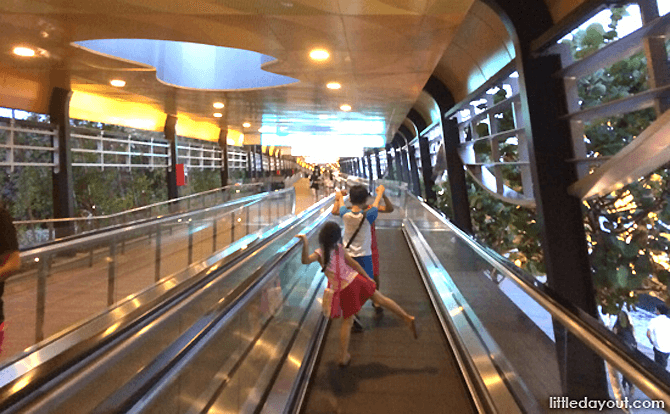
(193, 65)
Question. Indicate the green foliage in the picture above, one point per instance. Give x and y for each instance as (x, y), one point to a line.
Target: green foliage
(627, 242)
(110, 191)
(443, 202)
(509, 229)
(27, 192)
(202, 180)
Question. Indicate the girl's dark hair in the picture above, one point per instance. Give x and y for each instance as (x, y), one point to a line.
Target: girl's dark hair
(329, 235)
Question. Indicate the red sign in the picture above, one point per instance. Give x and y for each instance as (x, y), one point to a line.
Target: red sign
(179, 169)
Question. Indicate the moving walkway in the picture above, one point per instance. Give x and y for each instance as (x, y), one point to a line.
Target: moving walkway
(246, 334)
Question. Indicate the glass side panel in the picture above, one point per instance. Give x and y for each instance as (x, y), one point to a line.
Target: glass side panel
(54, 291)
(276, 299)
(238, 363)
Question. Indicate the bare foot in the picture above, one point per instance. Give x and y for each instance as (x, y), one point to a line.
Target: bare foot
(412, 327)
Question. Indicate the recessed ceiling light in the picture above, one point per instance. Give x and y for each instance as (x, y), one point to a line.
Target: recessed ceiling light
(345, 107)
(218, 105)
(24, 51)
(119, 83)
(246, 125)
(319, 54)
(333, 85)
(218, 115)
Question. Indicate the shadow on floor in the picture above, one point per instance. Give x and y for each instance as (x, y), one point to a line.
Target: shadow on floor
(344, 380)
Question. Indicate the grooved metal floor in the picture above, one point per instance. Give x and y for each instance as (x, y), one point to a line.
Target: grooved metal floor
(390, 371)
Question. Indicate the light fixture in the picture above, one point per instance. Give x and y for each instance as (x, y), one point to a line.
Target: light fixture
(218, 115)
(319, 55)
(246, 125)
(333, 85)
(24, 51)
(218, 105)
(119, 83)
(345, 107)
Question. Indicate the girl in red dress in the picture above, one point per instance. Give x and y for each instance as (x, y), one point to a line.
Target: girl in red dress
(351, 284)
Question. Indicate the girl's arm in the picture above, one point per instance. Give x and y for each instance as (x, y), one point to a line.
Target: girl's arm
(306, 257)
(354, 264)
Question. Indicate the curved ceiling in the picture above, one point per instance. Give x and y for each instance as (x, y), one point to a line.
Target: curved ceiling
(381, 51)
(470, 60)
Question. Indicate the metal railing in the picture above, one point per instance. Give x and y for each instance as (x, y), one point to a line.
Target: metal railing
(100, 269)
(34, 232)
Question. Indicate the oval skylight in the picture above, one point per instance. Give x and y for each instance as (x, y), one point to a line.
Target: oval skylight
(193, 65)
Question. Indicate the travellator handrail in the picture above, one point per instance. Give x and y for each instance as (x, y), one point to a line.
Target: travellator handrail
(88, 240)
(651, 380)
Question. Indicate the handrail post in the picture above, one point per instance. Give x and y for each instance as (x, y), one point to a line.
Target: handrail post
(232, 227)
(190, 241)
(42, 275)
(157, 266)
(214, 235)
(247, 208)
(111, 272)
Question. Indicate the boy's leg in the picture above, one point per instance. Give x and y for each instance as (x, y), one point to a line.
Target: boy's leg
(375, 272)
(356, 325)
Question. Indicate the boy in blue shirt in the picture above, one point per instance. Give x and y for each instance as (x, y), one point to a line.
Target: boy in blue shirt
(359, 241)
(357, 230)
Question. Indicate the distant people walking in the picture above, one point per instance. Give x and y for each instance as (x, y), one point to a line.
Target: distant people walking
(658, 333)
(10, 260)
(314, 184)
(352, 285)
(623, 328)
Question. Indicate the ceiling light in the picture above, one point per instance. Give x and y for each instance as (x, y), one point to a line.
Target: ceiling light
(319, 54)
(246, 125)
(118, 83)
(218, 115)
(24, 51)
(345, 107)
(218, 105)
(333, 85)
